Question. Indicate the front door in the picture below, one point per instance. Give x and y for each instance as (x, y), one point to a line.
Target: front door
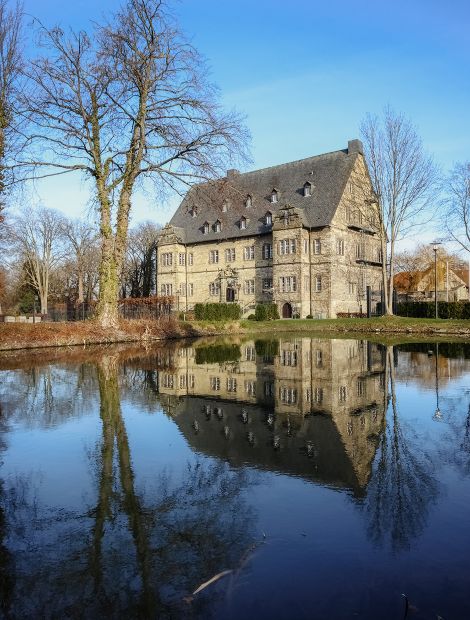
(286, 311)
(230, 294)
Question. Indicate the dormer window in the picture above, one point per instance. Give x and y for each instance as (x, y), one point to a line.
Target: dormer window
(242, 223)
(205, 228)
(249, 202)
(274, 195)
(268, 218)
(193, 211)
(217, 226)
(307, 189)
(225, 206)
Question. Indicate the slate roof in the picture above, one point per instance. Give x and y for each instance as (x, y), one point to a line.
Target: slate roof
(328, 174)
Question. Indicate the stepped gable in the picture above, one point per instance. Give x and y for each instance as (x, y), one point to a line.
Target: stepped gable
(224, 200)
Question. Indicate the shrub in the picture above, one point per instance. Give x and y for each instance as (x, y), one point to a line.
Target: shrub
(266, 312)
(252, 317)
(218, 353)
(309, 316)
(217, 312)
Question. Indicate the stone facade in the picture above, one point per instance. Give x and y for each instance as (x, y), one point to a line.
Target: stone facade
(311, 245)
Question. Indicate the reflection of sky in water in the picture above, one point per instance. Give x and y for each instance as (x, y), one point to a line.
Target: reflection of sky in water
(302, 548)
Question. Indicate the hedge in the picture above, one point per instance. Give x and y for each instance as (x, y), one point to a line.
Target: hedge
(427, 309)
(218, 353)
(266, 312)
(217, 312)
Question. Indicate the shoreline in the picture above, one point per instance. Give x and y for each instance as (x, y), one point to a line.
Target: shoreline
(20, 336)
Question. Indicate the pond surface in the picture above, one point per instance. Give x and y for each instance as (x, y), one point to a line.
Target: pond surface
(326, 477)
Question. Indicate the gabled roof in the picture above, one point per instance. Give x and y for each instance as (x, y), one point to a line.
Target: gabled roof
(328, 174)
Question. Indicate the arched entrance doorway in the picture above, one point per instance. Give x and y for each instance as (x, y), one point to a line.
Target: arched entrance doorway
(286, 311)
(230, 294)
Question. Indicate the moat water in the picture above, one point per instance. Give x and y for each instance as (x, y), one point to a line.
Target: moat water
(283, 478)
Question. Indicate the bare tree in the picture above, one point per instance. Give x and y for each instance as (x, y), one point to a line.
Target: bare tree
(128, 104)
(10, 67)
(81, 237)
(138, 277)
(403, 178)
(35, 238)
(456, 189)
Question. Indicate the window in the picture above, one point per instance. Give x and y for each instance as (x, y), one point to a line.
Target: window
(205, 228)
(248, 202)
(182, 379)
(267, 251)
(231, 384)
(267, 284)
(268, 218)
(317, 284)
(379, 255)
(213, 256)
(249, 287)
(229, 255)
(214, 288)
(167, 259)
(360, 250)
(319, 358)
(168, 381)
(215, 384)
(288, 395)
(224, 206)
(342, 393)
(361, 387)
(340, 247)
(167, 290)
(274, 195)
(250, 354)
(182, 289)
(287, 246)
(288, 284)
(217, 226)
(289, 358)
(249, 252)
(191, 382)
(317, 246)
(318, 395)
(269, 389)
(307, 189)
(242, 223)
(193, 212)
(181, 259)
(352, 288)
(190, 290)
(250, 388)
(190, 259)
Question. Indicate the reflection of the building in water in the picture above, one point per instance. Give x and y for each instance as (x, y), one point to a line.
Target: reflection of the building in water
(309, 407)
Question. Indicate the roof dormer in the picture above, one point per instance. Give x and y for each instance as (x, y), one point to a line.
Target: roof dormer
(307, 188)
(249, 201)
(205, 228)
(225, 206)
(274, 195)
(242, 223)
(217, 226)
(268, 218)
(193, 211)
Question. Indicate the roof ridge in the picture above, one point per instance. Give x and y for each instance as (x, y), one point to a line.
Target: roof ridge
(291, 163)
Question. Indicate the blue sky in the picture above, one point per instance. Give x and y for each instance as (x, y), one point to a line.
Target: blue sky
(305, 73)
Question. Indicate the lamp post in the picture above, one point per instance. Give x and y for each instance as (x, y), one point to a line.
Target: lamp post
(435, 247)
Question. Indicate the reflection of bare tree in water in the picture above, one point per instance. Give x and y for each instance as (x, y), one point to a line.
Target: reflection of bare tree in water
(6, 578)
(455, 442)
(136, 554)
(403, 484)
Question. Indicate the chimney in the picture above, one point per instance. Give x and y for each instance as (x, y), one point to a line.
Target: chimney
(232, 173)
(355, 146)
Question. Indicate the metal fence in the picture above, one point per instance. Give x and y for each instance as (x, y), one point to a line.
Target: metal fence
(149, 308)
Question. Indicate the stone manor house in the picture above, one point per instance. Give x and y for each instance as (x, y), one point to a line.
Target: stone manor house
(302, 235)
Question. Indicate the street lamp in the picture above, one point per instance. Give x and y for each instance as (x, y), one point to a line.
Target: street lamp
(435, 247)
